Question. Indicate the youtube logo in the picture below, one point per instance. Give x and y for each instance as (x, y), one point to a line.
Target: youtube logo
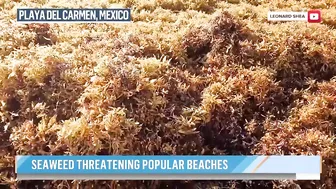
(314, 16)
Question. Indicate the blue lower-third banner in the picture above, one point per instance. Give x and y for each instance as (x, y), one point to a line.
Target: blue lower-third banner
(168, 167)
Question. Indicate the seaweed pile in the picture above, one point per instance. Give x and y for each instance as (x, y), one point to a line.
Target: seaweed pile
(195, 77)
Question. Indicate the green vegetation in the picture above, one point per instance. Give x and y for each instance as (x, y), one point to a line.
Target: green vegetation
(186, 77)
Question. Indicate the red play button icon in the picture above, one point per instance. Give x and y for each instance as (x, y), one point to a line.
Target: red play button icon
(314, 16)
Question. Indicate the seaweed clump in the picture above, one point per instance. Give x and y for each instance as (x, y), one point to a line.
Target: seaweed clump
(224, 84)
